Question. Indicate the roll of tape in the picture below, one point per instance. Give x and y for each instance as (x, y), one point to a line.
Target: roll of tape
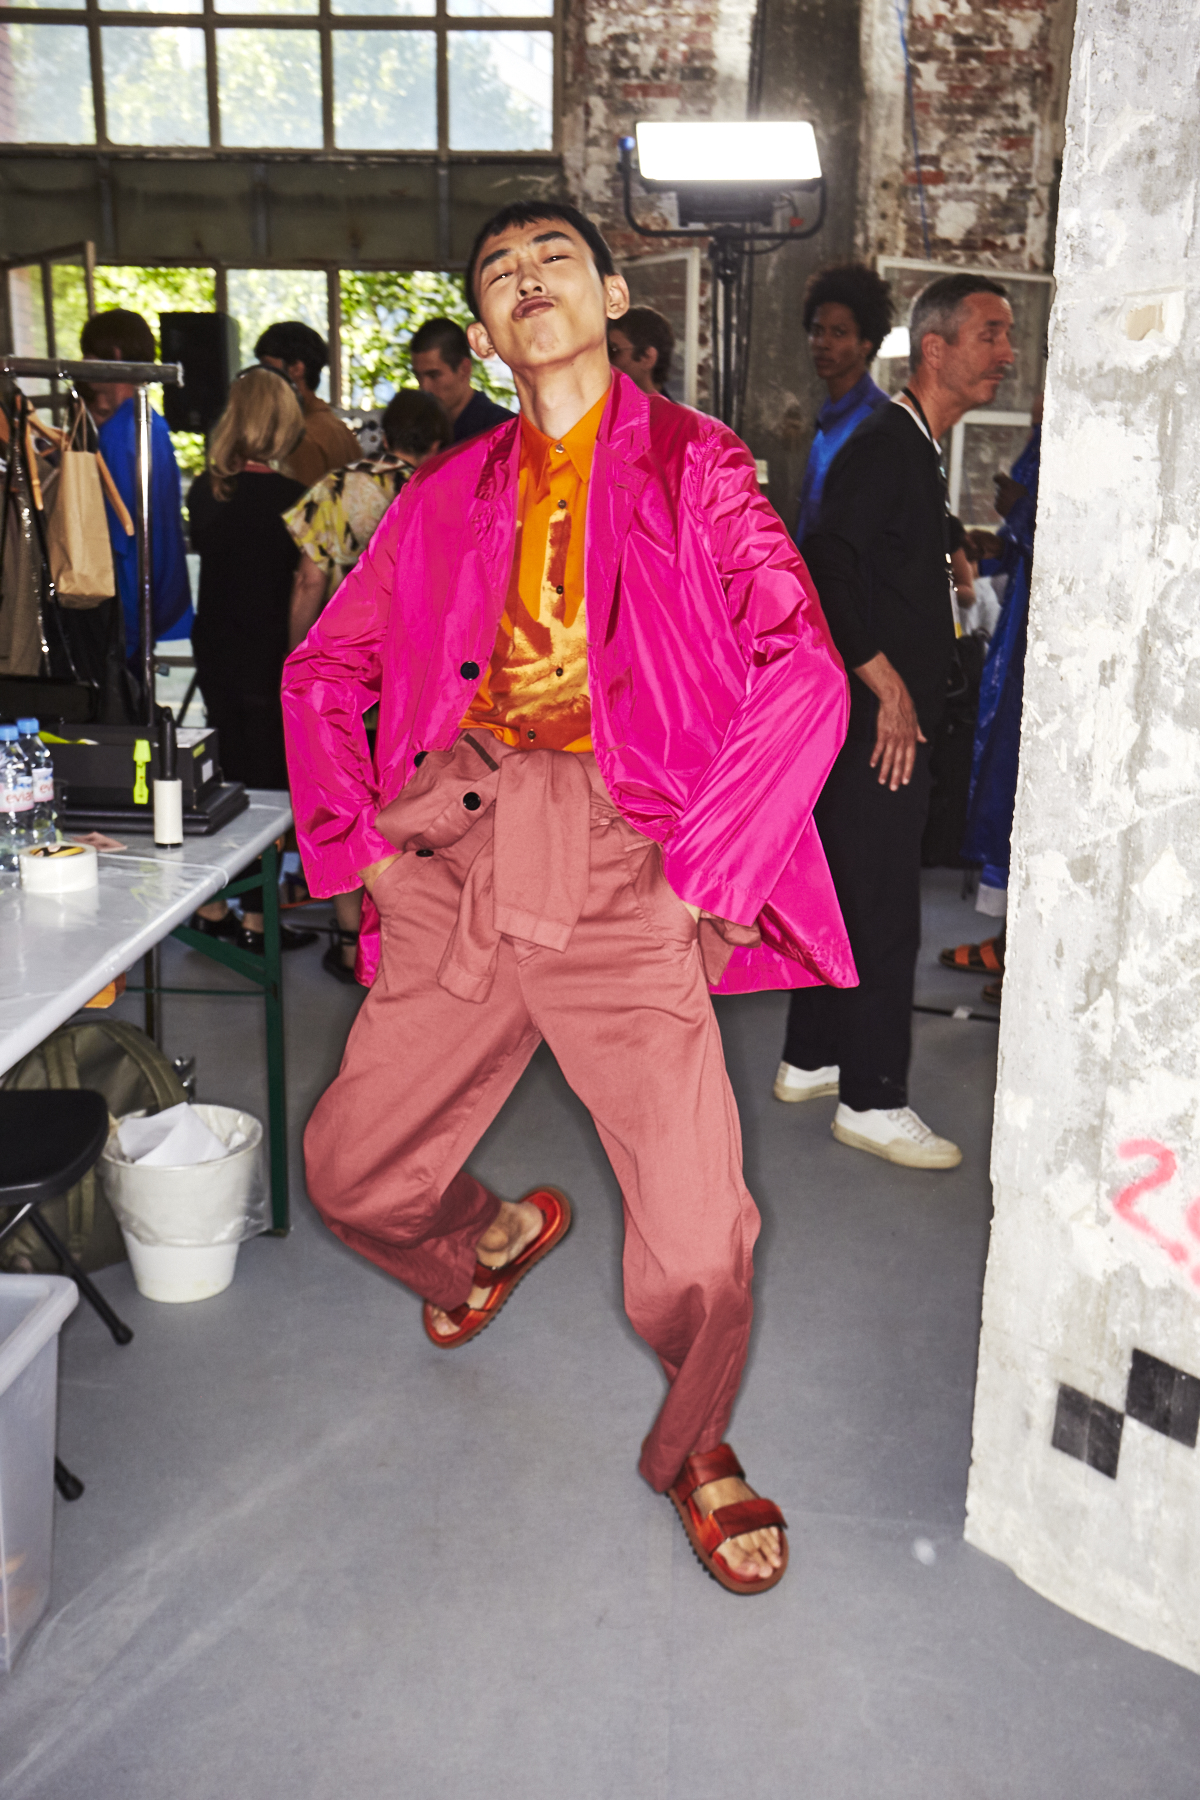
(59, 868)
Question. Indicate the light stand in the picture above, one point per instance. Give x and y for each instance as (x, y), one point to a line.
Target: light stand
(733, 239)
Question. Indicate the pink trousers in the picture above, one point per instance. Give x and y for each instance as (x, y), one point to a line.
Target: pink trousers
(524, 907)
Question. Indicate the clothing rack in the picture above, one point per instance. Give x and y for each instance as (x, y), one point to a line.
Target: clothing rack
(135, 374)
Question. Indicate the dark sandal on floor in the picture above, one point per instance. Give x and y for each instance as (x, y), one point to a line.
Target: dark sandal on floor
(993, 992)
(227, 926)
(555, 1209)
(975, 959)
(293, 891)
(332, 962)
(707, 1533)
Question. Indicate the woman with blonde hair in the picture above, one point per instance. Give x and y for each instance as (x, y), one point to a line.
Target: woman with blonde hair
(240, 638)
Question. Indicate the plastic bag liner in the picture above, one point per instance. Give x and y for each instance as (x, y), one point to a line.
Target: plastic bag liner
(189, 1205)
(173, 1138)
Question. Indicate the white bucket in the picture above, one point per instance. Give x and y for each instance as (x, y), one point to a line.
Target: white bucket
(167, 1272)
(182, 1226)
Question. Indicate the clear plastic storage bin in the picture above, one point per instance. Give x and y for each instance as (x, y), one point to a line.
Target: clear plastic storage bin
(32, 1309)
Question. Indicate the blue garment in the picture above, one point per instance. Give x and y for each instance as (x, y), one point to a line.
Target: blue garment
(993, 789)
(836, 421)
(170, 593)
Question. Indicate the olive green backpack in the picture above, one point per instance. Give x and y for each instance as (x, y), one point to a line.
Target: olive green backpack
(128, 1068)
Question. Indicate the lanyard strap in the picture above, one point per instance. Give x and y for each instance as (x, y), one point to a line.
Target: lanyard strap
(937, 448)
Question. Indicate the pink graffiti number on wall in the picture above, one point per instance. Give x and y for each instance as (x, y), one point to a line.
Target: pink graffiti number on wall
(1126, 1203)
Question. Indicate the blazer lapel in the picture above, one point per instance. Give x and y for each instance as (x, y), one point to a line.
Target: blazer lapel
(493, 511)
(616, 483)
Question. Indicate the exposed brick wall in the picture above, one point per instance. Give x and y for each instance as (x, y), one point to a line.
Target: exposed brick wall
(627, 61)
(989, 82)
(989, 78)
(624, 61)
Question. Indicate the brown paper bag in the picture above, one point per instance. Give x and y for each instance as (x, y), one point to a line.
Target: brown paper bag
(81, 562)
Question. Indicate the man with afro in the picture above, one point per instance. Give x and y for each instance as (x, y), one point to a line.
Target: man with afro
(847, 315)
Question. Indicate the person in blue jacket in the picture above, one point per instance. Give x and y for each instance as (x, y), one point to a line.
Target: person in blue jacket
(121, 336)
(847, 314)
(1001, 692)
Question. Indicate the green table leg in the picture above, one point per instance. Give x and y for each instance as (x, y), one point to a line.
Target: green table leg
(276, 1080)
(264, 972)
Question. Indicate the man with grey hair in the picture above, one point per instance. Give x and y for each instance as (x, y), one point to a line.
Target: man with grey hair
(880, 560)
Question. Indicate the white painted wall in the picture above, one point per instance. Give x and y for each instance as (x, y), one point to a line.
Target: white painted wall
(1100, 1042)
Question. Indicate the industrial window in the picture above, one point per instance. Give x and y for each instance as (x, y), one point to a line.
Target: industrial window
(372, 75)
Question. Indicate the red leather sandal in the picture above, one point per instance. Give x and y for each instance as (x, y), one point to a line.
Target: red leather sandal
(706, 1533)
(555, 1209)
(975, 959)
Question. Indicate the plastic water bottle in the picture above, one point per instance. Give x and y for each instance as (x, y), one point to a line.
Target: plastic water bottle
(41, 766)
(16, 800)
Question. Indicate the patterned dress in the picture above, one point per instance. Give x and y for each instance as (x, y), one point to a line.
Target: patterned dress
(336, 519)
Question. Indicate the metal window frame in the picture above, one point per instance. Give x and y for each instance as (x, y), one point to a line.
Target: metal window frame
(689, 255)
(325, 24)
(86, 254)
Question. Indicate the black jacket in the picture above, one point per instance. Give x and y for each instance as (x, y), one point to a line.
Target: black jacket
(247, 560)
(479, 414)
(879, 559)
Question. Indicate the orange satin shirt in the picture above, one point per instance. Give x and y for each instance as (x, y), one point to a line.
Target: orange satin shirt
(534, 694)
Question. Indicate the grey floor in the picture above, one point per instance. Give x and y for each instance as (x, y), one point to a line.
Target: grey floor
(317, 1558)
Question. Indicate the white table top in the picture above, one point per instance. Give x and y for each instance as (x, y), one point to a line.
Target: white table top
(55, 953)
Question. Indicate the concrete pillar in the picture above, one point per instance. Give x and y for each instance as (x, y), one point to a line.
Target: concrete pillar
(1086, 1471)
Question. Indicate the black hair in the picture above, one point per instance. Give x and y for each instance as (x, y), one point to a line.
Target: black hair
(646, 329)
(937, 308)
(416, 423)
(855, 286)
(294, 342)
(118, 336)
(536, 212)
(446, 336)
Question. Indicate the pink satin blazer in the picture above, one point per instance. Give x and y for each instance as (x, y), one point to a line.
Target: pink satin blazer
(718, 700)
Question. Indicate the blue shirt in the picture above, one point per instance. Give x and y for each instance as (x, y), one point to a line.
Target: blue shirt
(169, 590)
(836, 421)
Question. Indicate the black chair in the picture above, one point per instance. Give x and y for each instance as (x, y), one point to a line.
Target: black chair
(49, 1139)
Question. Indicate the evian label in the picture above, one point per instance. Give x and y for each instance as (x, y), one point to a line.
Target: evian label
(43, 787)
(16, 790)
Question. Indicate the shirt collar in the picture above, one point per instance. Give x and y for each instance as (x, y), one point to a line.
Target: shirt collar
(579, 444)
(833, 410)
(906, 405)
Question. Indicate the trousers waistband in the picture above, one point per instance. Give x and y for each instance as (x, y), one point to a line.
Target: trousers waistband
(533, 812)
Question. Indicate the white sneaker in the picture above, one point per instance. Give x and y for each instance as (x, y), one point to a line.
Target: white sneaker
(805, 1084)
(897, 1135)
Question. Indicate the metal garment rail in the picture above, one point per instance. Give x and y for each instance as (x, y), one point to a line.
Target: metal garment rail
(135, 374)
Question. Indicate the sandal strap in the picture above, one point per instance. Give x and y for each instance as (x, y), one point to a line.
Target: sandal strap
(988, 957)
(745, 1515)
(705, 1466)
(490, 1278)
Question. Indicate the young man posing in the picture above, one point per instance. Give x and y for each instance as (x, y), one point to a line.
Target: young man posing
(607, 701)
